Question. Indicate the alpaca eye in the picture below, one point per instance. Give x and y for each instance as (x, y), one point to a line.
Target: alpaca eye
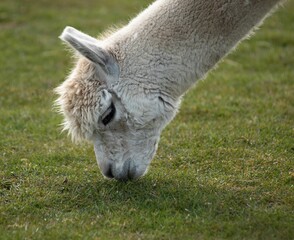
(109, 114)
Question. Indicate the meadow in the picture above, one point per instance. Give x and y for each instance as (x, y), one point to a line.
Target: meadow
(225, 165)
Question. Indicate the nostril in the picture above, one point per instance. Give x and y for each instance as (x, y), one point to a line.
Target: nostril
(109, 173)
(132, 173)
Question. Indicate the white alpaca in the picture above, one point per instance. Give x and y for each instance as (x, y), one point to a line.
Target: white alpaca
(127, 87)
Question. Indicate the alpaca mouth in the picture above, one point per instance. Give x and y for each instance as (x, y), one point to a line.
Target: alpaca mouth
(127, 173)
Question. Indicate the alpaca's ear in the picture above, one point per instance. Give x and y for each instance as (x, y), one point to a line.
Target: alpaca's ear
(87, 46)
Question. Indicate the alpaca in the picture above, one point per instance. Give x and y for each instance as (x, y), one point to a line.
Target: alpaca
(126, 87)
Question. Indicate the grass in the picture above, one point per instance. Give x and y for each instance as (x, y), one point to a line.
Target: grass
(224, 168)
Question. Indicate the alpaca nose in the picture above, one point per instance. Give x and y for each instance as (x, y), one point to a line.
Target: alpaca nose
(124, 173)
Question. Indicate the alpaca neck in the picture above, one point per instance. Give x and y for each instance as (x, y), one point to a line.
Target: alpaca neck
(175, 42)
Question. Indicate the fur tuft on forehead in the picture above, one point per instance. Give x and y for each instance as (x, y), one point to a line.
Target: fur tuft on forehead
(79, 99)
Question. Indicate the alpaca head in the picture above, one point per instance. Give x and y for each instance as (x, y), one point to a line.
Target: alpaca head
(123, 122)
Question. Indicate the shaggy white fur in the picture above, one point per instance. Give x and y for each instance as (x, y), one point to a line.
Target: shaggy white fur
(127, 87)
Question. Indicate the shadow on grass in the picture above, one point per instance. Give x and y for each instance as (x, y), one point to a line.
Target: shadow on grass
(174, 203)
(163, 196)
(177, 204)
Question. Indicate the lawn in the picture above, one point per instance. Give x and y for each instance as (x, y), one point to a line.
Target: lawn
(224, 168)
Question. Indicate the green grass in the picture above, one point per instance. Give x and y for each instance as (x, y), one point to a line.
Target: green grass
(224, 167)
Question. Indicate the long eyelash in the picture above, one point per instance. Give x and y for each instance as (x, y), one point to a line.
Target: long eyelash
(110, 116)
